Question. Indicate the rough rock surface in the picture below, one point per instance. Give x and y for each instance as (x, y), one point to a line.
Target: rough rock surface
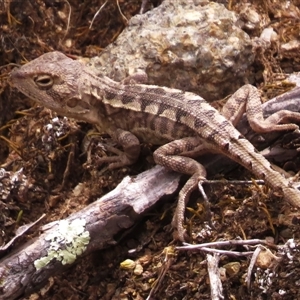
(193, 44)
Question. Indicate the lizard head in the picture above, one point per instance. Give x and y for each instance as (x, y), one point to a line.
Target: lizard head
(54, 80)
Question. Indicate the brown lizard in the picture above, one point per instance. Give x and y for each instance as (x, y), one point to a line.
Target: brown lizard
(183, 123)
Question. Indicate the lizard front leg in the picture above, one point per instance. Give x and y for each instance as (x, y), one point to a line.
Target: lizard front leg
(130, 153)
(177, 156)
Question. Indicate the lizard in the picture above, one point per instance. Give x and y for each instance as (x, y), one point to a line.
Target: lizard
(181, 123)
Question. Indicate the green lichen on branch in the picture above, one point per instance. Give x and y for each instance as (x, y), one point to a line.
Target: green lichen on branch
(66, 243)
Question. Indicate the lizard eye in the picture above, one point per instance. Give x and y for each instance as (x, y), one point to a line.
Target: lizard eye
(44, 82)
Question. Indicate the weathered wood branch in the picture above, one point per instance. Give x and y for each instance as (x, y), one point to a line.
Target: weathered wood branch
(90, 229)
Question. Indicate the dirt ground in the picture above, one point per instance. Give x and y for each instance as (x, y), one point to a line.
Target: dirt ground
(53, 162)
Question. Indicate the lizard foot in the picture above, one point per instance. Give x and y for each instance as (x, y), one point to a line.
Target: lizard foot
(184, 195)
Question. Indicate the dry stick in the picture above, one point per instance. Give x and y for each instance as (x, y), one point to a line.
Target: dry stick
(97, 12)
(93, 228)
(90, 229)
(214, 276)
(252, 242)
(251, 266)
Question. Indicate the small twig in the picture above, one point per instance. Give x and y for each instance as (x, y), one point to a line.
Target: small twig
(11, 145)
(188, 246)
(206, 204)
(214, 276)
(251, 265)
(168, 261)
(69, 18)
(123, 16)
(96, 14)
(20, 232)
(227, 252)
(68, 167)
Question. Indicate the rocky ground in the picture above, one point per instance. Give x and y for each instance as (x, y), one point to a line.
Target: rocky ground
(48, 162)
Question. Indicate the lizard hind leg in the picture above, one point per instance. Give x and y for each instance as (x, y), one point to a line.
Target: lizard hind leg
(177, 156)
(247, 99)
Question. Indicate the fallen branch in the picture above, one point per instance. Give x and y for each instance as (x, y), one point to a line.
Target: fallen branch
(90, 229)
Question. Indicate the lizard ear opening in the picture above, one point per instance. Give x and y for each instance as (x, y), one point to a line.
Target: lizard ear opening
(44, 81)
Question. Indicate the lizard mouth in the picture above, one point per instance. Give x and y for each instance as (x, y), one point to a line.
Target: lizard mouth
(17, 79)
